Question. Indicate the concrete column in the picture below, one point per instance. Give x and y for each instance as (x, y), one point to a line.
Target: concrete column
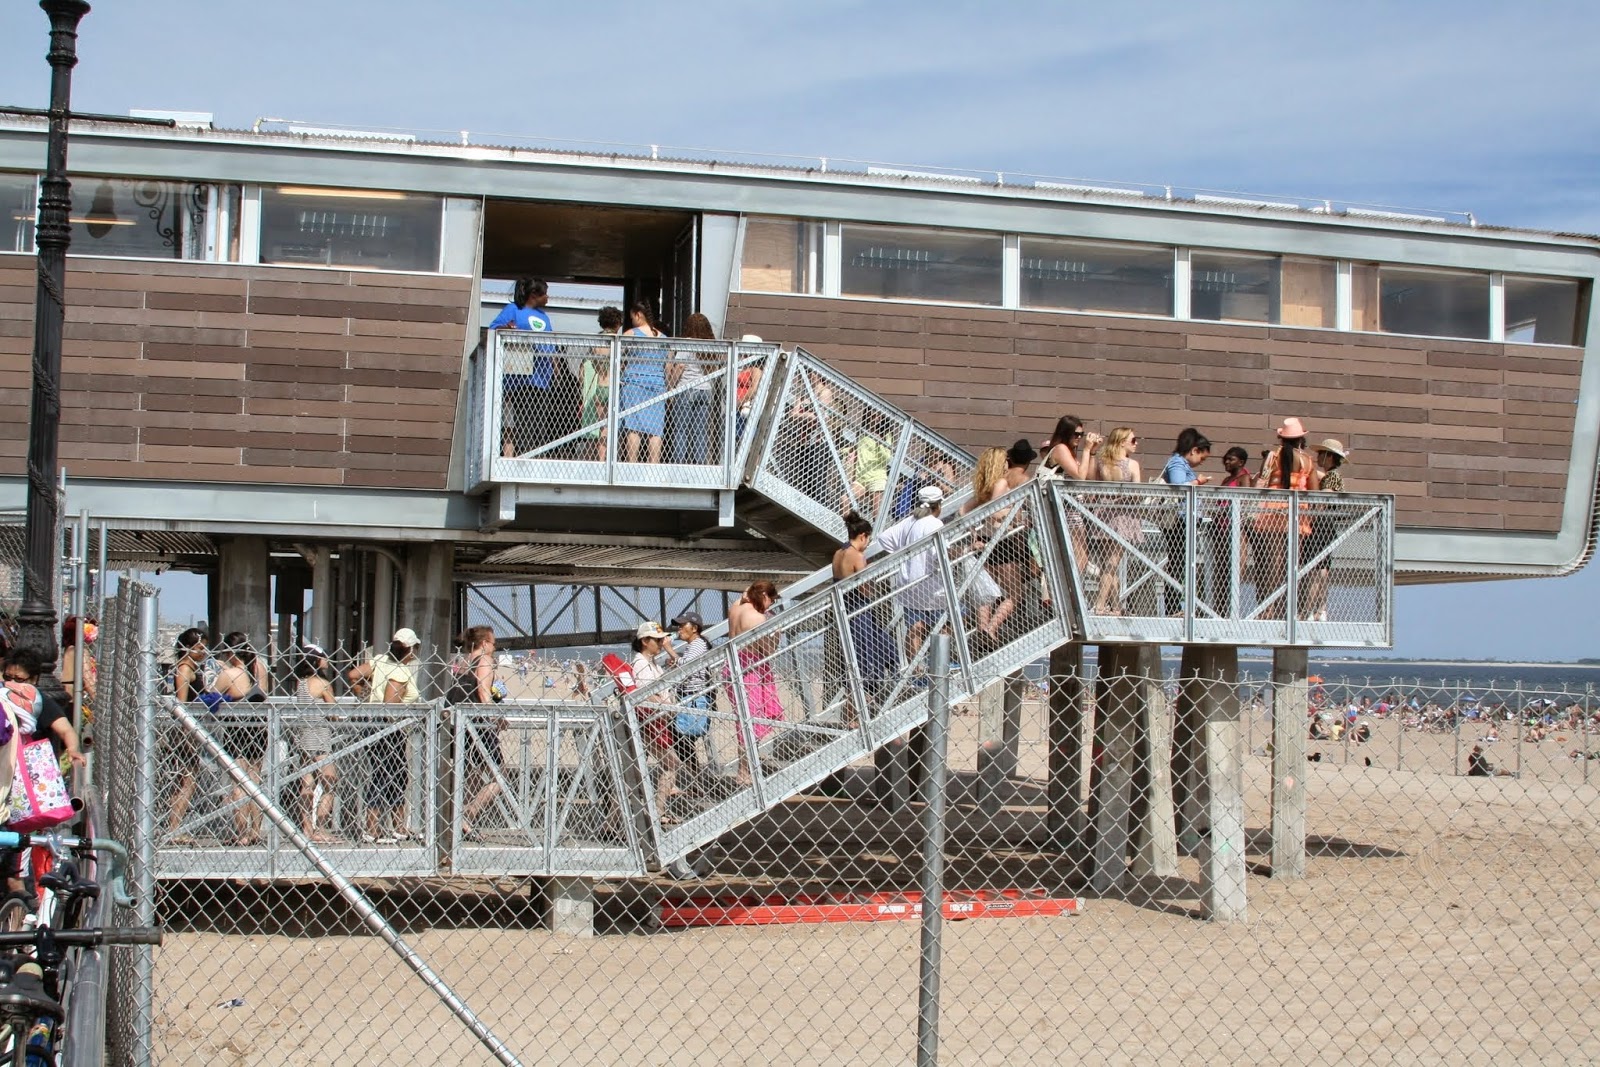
(570, 903)
(383, 626)
(1065, 817)
(244, 589)
(1222, 867)
(1156, 846)
(429, 596)
(1000, 731)
(1189, 783)
(1117, 693)
(322, 597)
(1289, 704)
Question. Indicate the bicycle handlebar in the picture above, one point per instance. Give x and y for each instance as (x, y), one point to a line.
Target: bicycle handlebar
(89, 937)
(62, 845)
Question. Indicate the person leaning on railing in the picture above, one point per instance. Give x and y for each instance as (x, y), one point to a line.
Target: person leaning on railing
(389, 678)
(1331, 455)
(1067, 454)
(689, 413)
(313, 738)
(1115, 463)
(1290, 466)
(526, 412)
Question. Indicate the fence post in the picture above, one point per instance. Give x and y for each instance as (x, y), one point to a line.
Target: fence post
(1583, 734)
(1521, 715)
(1456, 717)
(1116, 691)
(1222, 866)
(1156, 844)
(1065, 816)
(149, 676)
(933, 835)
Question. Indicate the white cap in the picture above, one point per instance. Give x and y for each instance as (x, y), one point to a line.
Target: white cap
(751, 339)
(930, 494)
(406, 636)
(650, 629)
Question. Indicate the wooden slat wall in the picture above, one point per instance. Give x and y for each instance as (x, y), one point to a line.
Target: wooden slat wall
(1465, 434)
(207, 372)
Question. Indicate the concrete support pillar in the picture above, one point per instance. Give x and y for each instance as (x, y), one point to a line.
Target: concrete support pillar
(383, 626)
(1289, 704)
(244, 589)
(1188, 780)
(1117, 694)
(1155, 841)
(429, 597)
(322, 597)
(1000, 732)
(1222, 866)
(570, 906)
(1065, 816)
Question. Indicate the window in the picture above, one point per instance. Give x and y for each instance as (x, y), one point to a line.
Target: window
(894, 263)
(780, 256)
(1433, 303)
(351, 228)
(1096, 276)
(1280, 290)
(1544, 311)
(19, 200)
(139, 218)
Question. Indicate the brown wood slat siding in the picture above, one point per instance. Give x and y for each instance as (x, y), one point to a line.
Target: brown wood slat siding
(1466, 434)
(207, 372)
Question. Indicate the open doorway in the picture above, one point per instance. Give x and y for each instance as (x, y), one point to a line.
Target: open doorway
(593, 255)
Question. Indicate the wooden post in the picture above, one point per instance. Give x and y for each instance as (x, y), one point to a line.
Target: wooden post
(1156, 848)
(1065, 817)
(1116, 722)
(1000, 730)
(1289, 706)
(1190, 783)
(1222, 869)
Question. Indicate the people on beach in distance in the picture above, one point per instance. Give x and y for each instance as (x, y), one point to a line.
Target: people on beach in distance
(1330, 455)
(644, 381)
(1478, 765)
(1290, 466)
(1115, 463)
(527, 377)
(689, 412)
(1192, 449)
(594, 387)
(919, 588)
(313, 741)
(389, 678)
(756, 678)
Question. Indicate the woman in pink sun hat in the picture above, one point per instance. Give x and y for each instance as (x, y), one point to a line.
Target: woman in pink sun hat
(1289, 466)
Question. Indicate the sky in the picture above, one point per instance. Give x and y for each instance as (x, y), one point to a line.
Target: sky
(1458, 105)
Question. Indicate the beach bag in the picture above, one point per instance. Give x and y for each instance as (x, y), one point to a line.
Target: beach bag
(39, 796)
(690, 724)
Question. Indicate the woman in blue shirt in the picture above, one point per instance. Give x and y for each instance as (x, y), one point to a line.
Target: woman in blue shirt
(526, 378)
(1192, 449)
(644, 381)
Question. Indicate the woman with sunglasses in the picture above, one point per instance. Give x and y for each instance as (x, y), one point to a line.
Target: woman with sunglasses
(1069, 453)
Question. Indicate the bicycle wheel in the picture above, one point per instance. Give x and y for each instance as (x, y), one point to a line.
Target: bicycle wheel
(14, 913)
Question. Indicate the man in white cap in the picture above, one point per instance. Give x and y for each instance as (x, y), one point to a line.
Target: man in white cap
(921, 591)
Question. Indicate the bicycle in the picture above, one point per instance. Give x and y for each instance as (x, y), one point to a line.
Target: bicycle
(36, 990)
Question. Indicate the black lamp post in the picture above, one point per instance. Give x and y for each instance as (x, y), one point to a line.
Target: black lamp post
(37, 619)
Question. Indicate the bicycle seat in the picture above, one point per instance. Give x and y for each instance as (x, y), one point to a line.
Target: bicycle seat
(22, 990)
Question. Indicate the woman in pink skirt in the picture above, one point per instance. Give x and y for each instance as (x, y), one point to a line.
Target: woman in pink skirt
(755, 665)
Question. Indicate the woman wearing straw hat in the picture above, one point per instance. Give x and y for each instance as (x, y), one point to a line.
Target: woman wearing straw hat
(1331, 455)
(1290, 466)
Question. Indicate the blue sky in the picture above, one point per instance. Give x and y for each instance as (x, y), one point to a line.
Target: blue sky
(1462, 105)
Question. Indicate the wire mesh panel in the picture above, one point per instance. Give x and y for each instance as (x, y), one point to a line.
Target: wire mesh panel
(538, 789)
(832, 447)
(604, 410)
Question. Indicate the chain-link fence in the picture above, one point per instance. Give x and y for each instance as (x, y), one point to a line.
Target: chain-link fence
(1392, 871)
